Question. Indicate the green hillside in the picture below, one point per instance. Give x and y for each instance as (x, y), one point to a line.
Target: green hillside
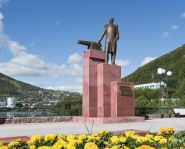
(173, 61)
(10, 86)
(29, 96)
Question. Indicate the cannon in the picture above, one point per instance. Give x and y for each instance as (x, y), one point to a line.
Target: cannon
(90, 44)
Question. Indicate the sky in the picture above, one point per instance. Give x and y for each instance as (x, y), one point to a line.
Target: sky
(38, 38)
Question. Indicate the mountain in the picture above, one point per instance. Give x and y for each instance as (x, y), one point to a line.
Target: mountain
(173, 61)
(30, 96)
(10, 86)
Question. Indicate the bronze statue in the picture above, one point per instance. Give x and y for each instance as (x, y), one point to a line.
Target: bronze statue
(90, 44)
(112, 36)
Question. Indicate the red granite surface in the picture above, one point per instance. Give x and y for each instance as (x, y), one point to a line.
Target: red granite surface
(91, 58)
(6, 140)
(106, 74)
(121, 105)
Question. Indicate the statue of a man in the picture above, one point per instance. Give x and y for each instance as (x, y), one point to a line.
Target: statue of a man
(112, 36)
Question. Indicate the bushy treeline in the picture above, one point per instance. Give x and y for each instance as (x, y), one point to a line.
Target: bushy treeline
(148, 98)
(173, 61)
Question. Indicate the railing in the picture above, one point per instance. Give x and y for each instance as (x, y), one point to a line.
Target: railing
(69, 110)
(66, 109)
(149, 111)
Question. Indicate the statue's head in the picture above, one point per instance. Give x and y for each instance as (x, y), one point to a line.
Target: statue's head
(111, 20)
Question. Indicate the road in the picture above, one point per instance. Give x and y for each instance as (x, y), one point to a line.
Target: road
(29, 129)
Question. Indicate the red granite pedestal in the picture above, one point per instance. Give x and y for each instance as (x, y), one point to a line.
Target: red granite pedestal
(106, 99)
(91, 58)
(106, 74)
(122, 99)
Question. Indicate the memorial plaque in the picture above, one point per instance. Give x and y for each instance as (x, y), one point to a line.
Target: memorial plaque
(126, 91)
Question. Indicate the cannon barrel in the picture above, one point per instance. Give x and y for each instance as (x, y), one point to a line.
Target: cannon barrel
(90, 44)
(86, 43)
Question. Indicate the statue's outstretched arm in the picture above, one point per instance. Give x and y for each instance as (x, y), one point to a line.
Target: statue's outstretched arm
(102, 35)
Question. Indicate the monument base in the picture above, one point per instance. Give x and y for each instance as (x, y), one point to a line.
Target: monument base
(105, 120)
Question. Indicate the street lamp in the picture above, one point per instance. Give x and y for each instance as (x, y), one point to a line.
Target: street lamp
(162, 72)
(169, 73)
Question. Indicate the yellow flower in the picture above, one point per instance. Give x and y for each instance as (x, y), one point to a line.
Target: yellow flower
(171, 138)
(130, 134)
(122, 139)
(71, 146)
(114, 139)
(149, 138)
(32, 147)
(3, 147)
(115, 147)
(103, 132)
(125, 147)
(141, 139)
(82, 137)
(1, 143)
(163, 141)
(62, 137)
(13, 144)
(91, 137)
(35, 138)
(73, 142)
(157, 138)
(79, 141)
(90, 145)
(70, 137)
(50, 137)
(44, 147)
(59, 144)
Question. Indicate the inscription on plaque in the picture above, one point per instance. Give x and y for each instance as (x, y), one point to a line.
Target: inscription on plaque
(126, 91)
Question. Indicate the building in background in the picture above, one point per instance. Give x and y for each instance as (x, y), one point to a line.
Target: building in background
(11, 102)
(2, 103)
(149, 85)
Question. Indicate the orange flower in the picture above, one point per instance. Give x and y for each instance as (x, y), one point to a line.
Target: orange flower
(145, 147)
(162, 130)
(170, 129)
(166, 131)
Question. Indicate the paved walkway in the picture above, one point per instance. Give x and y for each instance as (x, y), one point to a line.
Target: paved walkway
(29, 129)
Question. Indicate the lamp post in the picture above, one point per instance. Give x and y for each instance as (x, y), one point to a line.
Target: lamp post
(168, 74)
(162, 72)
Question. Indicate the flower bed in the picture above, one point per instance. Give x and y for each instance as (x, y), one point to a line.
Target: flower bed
(165, 139)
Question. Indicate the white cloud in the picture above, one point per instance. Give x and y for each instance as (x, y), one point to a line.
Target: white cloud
(123, 63)
(174, 27)
(147, 60)
(74, 69)
(31, 65)
(165, 35)
(24, 63)
(183, 15)
(74, 58)
(78, 80)
(12, 68)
